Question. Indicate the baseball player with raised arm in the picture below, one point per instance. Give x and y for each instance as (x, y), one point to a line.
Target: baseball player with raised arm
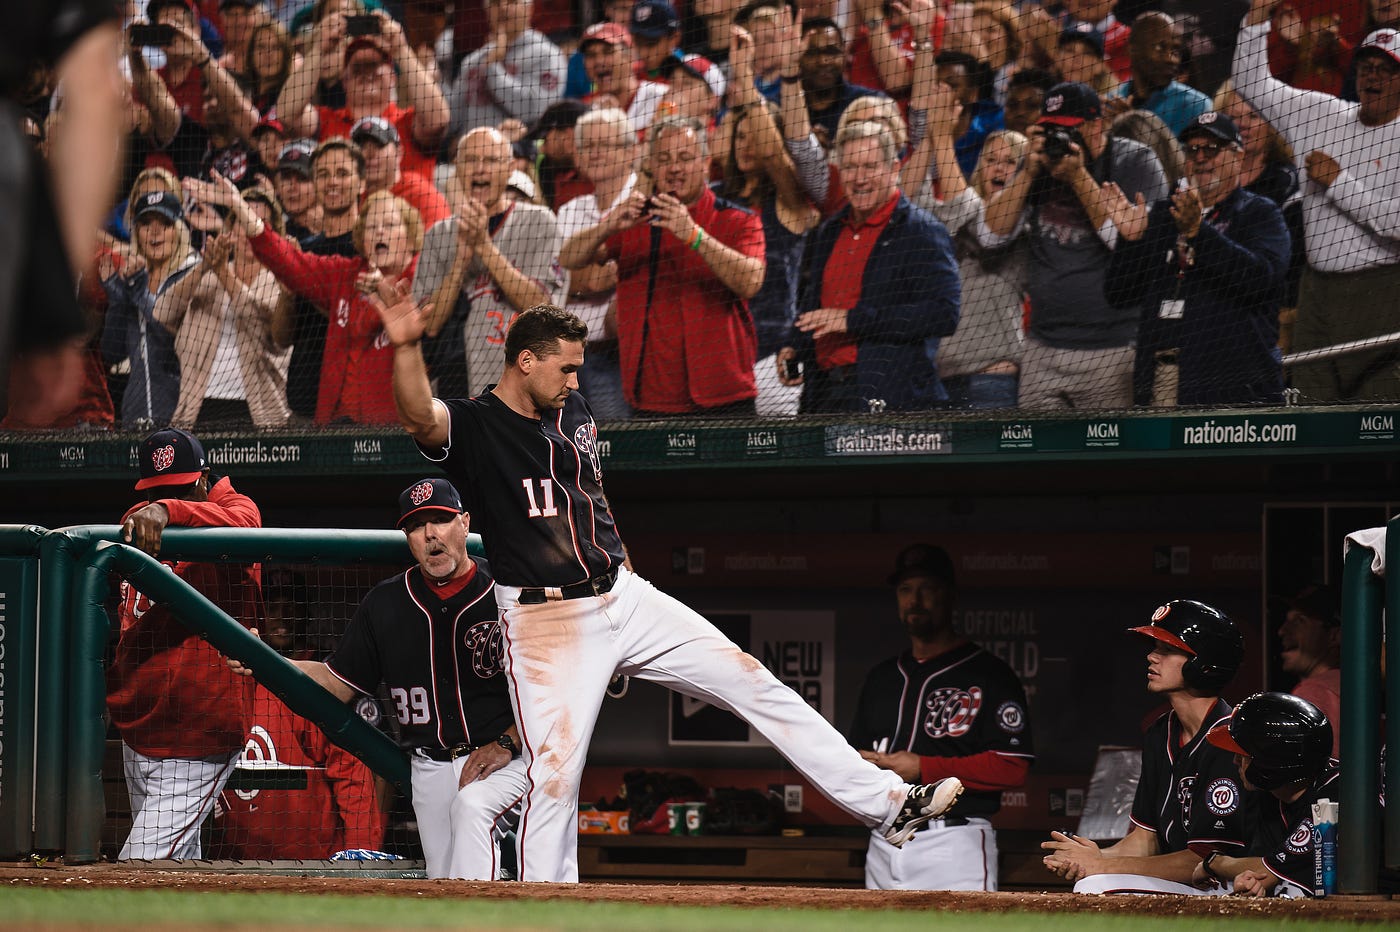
(431, 636)
(943, 708)
(1189, 800)
(574, 615)
(181, 715)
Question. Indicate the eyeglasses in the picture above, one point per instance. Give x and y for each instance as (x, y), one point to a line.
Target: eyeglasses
(473, 160)
(1209, 149)
(685, 158)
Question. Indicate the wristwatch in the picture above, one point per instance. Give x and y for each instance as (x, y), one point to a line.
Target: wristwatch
(506, 742)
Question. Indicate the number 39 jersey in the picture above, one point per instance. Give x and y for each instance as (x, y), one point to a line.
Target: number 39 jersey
(534, 489)
(440, 658)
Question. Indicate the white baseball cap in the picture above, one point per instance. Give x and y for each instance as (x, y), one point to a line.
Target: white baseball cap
(1386, 41)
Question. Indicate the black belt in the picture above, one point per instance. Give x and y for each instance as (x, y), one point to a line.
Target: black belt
(595, 586)
(445, 755)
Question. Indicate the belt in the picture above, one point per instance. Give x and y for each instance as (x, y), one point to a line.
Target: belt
(593, 587)
(445, 755)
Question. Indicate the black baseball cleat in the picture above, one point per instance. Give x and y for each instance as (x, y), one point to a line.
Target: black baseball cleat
(922, 804)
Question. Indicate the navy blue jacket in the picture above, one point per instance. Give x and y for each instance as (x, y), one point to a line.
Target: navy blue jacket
(1227, 338)
(910, 295)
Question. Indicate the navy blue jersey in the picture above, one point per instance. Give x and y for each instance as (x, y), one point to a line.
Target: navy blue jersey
(962, 702)
(1191, 795)
(1284, 838)
(440, 659)
(534, 489)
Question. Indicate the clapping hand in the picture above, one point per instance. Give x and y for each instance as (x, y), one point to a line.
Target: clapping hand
(1186, 211)
(1129, 217)
(404, 319)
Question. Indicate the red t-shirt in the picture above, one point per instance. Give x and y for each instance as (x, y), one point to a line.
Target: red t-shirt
(841, 280)
(336, 810)
(189, 93)
(340, 122)
(692, 346)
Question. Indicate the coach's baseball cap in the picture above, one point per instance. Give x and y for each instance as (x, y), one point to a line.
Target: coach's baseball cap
(170, 457)
(1070, 103)
(1381, 42)
(928, 560)
(1322, 602)
(428, 495)
(1214, 123)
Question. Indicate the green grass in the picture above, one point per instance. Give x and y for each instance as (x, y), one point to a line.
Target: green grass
(102, 909)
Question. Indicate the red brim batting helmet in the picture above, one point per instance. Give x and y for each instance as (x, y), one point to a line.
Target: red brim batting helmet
(1163, 635)
(1220, 737)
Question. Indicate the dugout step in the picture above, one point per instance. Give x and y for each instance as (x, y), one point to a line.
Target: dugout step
(828, 861)
(377, 870)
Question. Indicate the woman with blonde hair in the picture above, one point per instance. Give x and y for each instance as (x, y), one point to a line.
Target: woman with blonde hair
(131, 333)
(357, 366)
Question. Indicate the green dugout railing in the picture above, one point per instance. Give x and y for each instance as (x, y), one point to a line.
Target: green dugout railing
(55, 635)
(1366, 602)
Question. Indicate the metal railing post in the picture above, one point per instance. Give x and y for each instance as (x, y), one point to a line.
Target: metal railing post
(1358, 829)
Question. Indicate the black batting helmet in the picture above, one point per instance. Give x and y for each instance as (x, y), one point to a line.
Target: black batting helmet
(1287, 739)
(1207, 634)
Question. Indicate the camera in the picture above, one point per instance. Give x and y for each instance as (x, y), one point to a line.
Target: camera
(792, 368)
(152, 35)
(1057, 141)
(362, 24)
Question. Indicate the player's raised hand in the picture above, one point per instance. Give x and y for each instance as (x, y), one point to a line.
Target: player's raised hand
(143, 529)
(404, 319)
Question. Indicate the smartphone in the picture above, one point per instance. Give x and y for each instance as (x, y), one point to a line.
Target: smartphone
(152, 35)
(362, 24)
(793, 369)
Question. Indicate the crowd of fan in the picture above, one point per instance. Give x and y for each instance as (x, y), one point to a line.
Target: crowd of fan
(694, 181)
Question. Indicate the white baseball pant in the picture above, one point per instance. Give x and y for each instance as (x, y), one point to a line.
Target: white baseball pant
(458, 826)
(1140, 885)
(559, 658)
(939, 857)
(170, 799)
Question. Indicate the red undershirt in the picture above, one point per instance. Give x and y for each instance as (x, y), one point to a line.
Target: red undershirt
(841, 279)
(456, 584)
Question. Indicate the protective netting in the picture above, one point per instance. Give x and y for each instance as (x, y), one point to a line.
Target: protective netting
(202, 762)
(756, 214)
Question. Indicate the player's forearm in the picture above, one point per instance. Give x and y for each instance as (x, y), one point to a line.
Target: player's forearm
(1227, 868)
(327, 680)
(413, 396)
(987, 771)
(1179, 866)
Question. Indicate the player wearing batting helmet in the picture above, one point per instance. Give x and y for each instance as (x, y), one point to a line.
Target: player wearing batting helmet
(943, 708)
(1189, 801)
(430, 634)
(1282, 745)
(181, 715)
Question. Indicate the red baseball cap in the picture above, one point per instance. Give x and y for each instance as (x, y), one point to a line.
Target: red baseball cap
(611, 33)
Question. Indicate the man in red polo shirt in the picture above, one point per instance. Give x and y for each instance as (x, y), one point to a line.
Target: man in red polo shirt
(369, 80)
(685, 335)
(883, 288)
(382, 148)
